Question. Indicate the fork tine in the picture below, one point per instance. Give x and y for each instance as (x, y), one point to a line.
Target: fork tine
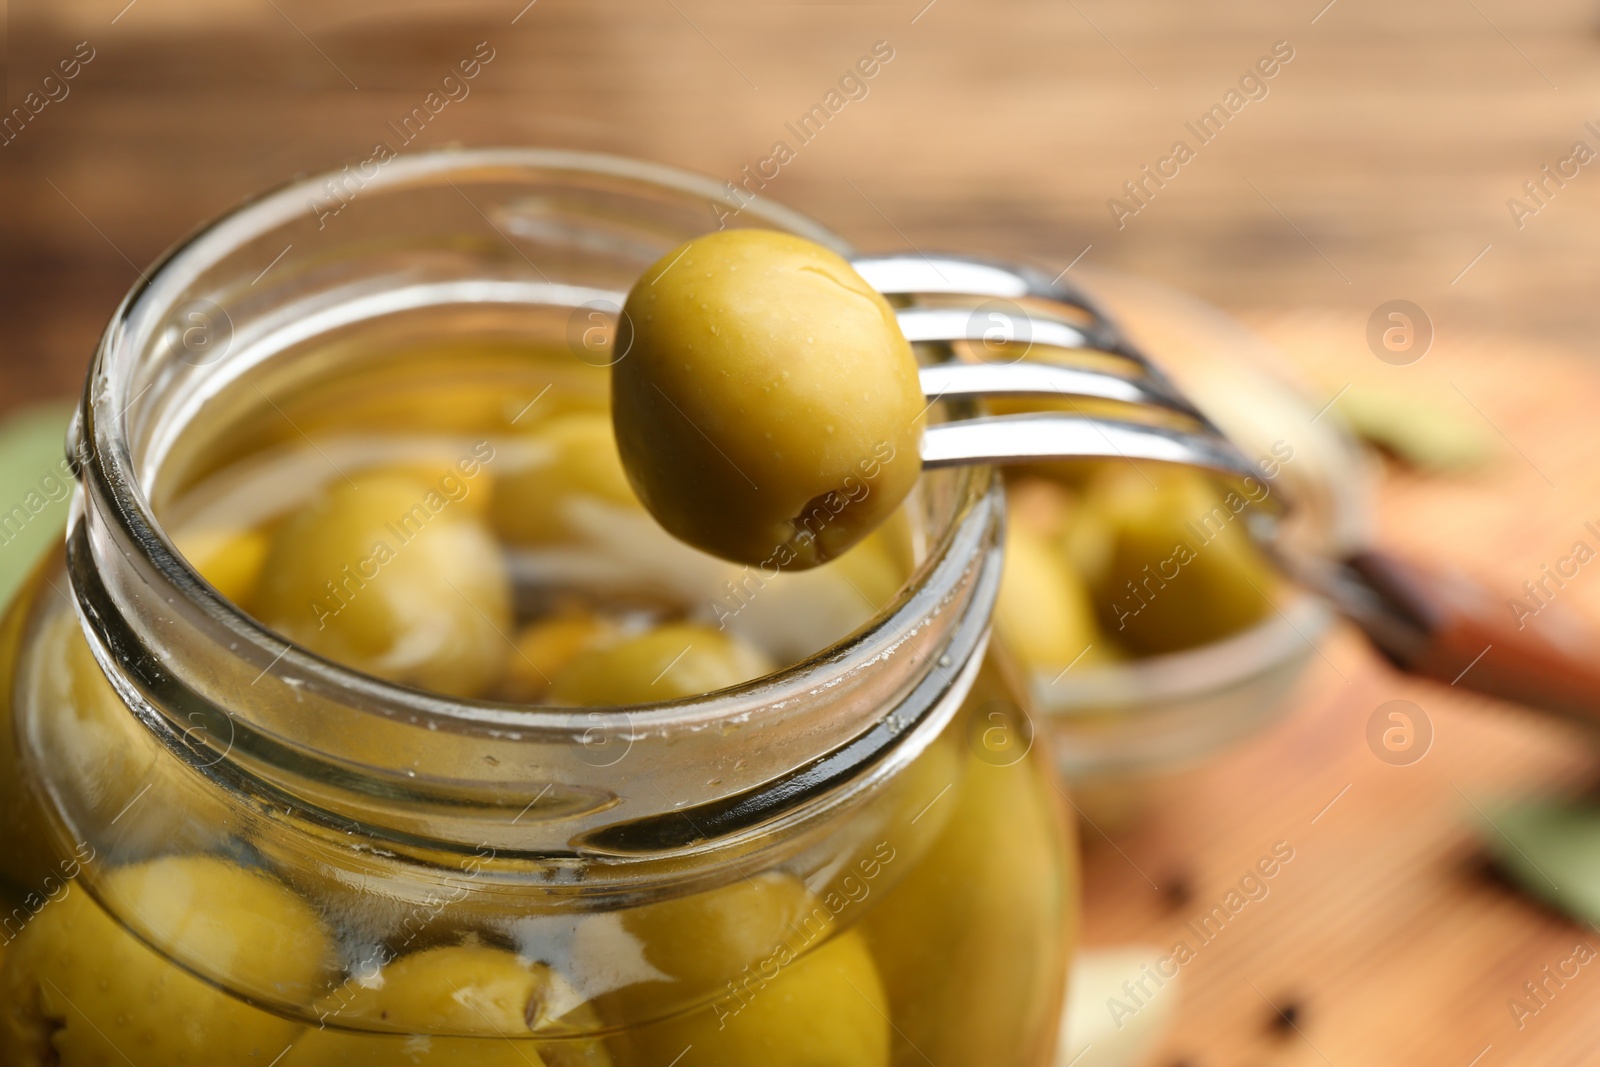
(1044, 437)
(1041, 437)
(956, 381)
(903, 275)
(1019, 327)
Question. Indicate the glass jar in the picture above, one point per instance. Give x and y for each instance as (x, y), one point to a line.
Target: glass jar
(1122, 729)
(222, 847)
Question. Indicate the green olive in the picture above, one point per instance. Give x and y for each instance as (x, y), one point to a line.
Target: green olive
(545, 648)
(30, 852)
(1044, 614)
(877, 568)
(446, 469)
(544, 473)
(393, 578)
(489, 999)
(692, 946)
(122, 772)
(231, 560)
(79, 990)
(765, 961)
(972, 941)
(1181, 569)
(908, 816)
(825, 1005)
(766, 404)
(89, 734)
(667, 663)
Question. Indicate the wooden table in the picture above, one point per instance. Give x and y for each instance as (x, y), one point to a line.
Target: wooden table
(1387, 931)
(1377, 166)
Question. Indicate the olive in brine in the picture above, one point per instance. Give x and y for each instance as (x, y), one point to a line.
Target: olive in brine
(467, 1005)
(546, 477)
(79, 990)
(1181, 569)
(825, 1005)
(389, 577)
(670, 662)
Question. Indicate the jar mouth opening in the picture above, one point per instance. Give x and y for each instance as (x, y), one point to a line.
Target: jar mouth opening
(102, 445)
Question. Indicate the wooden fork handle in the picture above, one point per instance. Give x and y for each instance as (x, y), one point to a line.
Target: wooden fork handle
(1445, 625)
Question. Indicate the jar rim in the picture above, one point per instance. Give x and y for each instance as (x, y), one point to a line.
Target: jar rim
(100, 445)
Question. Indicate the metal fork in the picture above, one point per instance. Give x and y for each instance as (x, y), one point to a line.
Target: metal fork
(1062, 317)
(1435, 624)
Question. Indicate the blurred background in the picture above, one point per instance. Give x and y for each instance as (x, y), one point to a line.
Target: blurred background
(1436, 152)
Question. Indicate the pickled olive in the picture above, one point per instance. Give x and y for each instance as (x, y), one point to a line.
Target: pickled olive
(95, 738)
(448, 474)
(29, 855)
(101, 743)
(489, 1000)
(1086, 545)
(544, 649)
(992, 916)
(81, 991)
(230, 560)
(791, 614)
(457, 386)
(765, 963)
(393, 579)
(873, 568)
(1181, 570)
(914, 808)
(1044, 614)
(766, 404)
(690, 947)
(1043, 505)
(544, 473)
(667, 663)
(98, 732)
(1078, 542)
(824, 1006)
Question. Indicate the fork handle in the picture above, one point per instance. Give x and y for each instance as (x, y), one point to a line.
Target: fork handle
(1447, 626)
